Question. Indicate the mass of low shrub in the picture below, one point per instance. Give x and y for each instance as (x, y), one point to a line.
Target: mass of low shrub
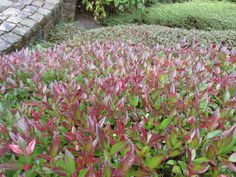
(118, 109)
(72, 35)
(195, 14)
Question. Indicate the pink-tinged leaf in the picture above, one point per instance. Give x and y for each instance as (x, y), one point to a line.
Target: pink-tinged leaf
(172, 89)
(74, 174)
(11, 81)
(59, 171)
(92, 100)
(192, 121)
(3, 151)
(128, 160)
(230, 165)
(15, 148)
(30, 147)
(211, 152)
(230, 132)
(91, 123)
(44, 89)
(102, 121)
(189, 156)
(213, 122)
(38, 125)
(195, 138)
(200, 168)
(101, 136)
(13, 137)
(9, 166)
(23, 125)
(49, 123)
(70, 136)
(222, 175)
(121, 103)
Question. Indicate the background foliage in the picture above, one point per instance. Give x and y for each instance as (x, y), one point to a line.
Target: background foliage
(196, 14)
(101, 8)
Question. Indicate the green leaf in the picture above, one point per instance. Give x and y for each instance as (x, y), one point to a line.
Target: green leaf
(154, 161)
(174, 153)
(201, 160)
(69, 162)
(162, 77)
(177, 170)
(171, 162)
(134, 101)
(1, 108)
(165, 123)
(83, 172)
(144, 151)
(117, 147)
(107, 171)
(213, 134)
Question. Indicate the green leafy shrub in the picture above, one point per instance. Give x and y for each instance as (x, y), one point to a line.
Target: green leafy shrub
(196, 14)
(100, 8)
(118, 109)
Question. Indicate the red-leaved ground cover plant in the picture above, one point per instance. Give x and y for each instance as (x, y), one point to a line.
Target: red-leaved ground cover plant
(116, 109)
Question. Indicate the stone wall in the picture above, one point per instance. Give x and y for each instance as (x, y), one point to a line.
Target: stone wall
(68, 10)
(24, 21)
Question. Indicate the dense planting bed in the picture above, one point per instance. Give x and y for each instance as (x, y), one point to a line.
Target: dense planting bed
(116, 109)
(196, 14)
(73, 35)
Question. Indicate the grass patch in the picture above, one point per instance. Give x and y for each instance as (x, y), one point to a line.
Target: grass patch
(196, 14)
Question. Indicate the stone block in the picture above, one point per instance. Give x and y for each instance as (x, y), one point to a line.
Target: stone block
(38, 18)
(45, 12)
(23, 14)
(12, 38)
(25, 2)
(53, 1)
(22, 30)
(29, 22)
(14, 19)
(7, 26)
(37, 3)
(4, 45)
(11, 11)
(30, 9)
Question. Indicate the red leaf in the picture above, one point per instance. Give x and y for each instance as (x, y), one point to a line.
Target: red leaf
(30, 147)
(101, 135)
(49, 123)
(26, 167)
